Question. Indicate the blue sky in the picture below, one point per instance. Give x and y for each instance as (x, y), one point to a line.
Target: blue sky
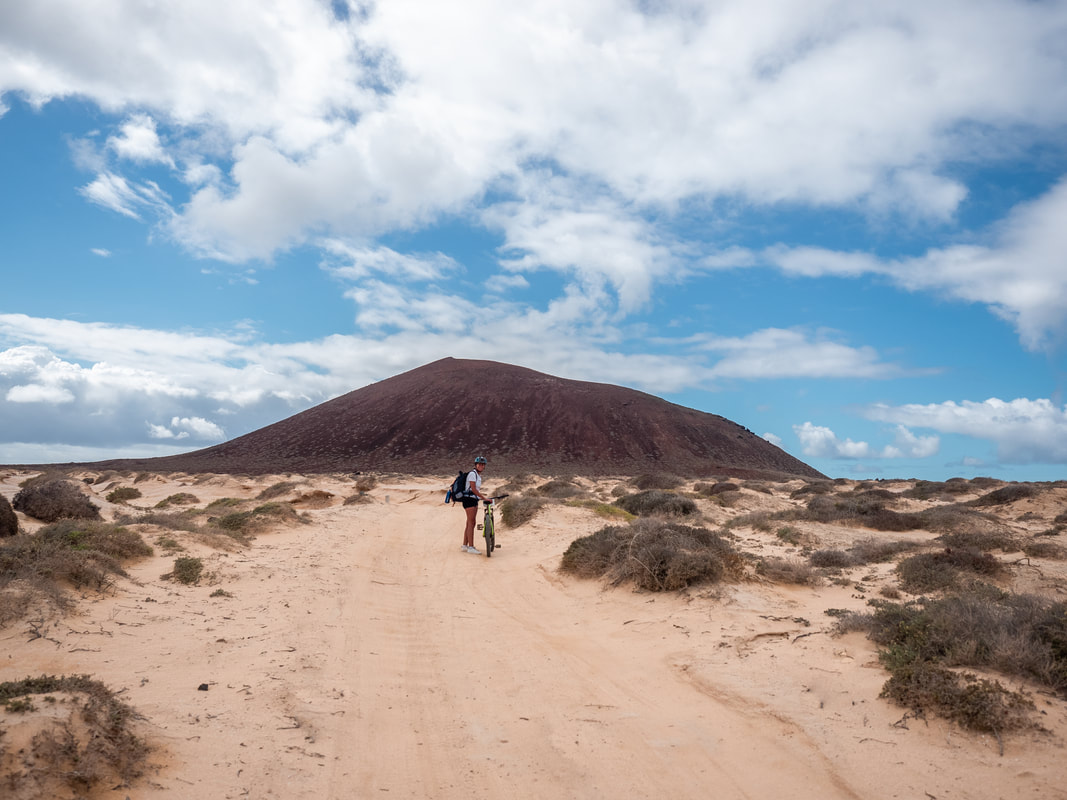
(842, 225)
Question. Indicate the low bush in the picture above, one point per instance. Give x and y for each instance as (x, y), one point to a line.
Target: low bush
(983, 541)
(91, 746)
(655, 502)
(658, 480)
(364, 483)
(9, 521)
(520, 509)
(178, 499)
(654, 555)
(56, 499)
(1006, 494)
(931, 572)
(557, 489)
(712, 489)
(874, 551)
(277, 490)
(122, 494)
(1049, 550)
(82, 554)
(786, 570)
(831, 559)
(816, 488)
(187, 570)
(359, 498)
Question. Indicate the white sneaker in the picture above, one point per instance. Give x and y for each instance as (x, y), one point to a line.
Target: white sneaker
(474, 550)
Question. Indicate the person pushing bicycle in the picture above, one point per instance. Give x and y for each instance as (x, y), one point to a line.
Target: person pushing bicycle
(471, 495)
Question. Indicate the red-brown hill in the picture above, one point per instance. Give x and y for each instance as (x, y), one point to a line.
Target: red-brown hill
(436, 418)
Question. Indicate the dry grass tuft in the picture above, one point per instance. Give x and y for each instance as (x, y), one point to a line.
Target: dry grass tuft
(657, 503)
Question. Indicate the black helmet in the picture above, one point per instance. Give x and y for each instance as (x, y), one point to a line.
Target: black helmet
(480, 460)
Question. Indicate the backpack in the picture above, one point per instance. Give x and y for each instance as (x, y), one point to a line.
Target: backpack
(458, 490)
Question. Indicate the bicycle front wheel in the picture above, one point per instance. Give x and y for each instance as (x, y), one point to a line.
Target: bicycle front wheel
(490, 537)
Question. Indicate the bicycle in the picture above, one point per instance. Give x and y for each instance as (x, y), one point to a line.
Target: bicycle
(488, 526)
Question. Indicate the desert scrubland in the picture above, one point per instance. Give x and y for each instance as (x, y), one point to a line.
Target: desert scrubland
(323, 636)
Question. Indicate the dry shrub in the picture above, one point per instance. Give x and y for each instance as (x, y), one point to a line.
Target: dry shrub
(931, 572)
(277, 490)
(980, 540)
(1006, 494)
(1020, 636)
(558, 489)
(358, 499)
(973, 703)
(52, 500)
(316, 498)
(171, 520)
(926, 490)
(787, 570)
(655, 502)
(178, 499)
(519, 510)
(67, 553)
(816, 488)
(9, 521)
(242, 524)
(874, 551)
(653, 555)
(122, 494)
(831, 559)
(187, 570)
(364, 483)
(657, 480)
(758, 486)
(1049, 550)
(712, 489)
(86, 743)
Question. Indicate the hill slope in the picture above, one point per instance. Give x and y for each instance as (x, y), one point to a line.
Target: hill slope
(437, 417)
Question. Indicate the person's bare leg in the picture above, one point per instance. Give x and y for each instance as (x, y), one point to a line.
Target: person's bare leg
(468, 532)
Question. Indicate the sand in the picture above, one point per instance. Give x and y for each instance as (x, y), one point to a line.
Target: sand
(362, 654)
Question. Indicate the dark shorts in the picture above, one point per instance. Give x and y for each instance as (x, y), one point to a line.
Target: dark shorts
(470, 502)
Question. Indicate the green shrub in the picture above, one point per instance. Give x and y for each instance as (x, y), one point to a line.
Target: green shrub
(9, 521)
(122, 494)
(655, 502)
(52, 500)
(653, 555)
(179, 499)
(187, 570)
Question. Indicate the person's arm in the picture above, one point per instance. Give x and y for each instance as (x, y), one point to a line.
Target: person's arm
(473, 485)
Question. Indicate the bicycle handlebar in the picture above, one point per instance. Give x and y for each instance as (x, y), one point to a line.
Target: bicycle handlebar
(495, 497)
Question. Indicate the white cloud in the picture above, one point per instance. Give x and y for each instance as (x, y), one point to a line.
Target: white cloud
(1024, 431)
(38, 393)
(821, 442)
(291, 123)
(779, 353)
(1021, 275)
(139, 141)
(114, 192)
(354, 262)
(773, 439)
(187, 427)
(101, 251)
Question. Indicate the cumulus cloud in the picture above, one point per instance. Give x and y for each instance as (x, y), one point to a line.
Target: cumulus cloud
(821, 442)
(289, 120)
(1024, 431)
(185, 428)
(138, 140)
